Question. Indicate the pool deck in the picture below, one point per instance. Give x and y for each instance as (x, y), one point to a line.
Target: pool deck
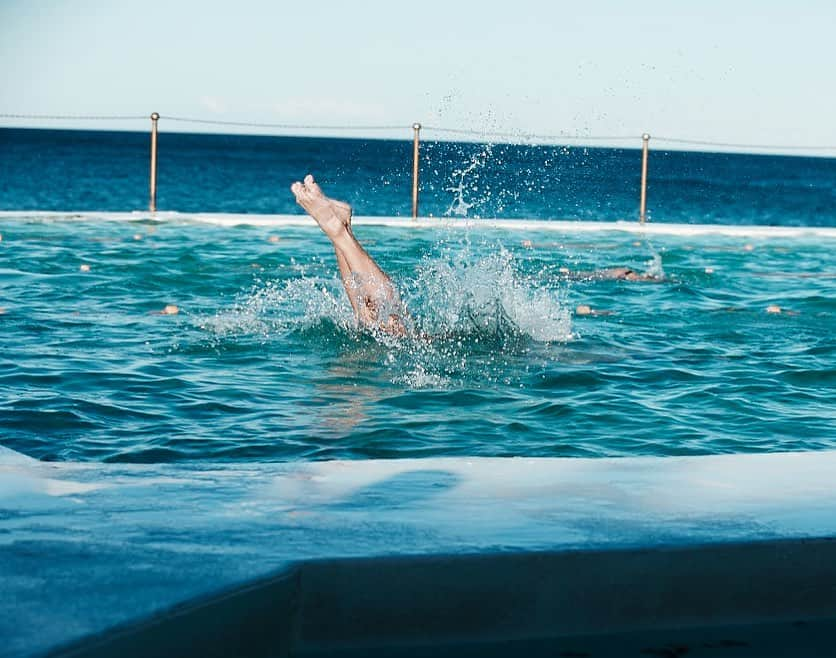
(354, 557)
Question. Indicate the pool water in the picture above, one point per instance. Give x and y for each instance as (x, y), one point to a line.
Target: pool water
(262, 360)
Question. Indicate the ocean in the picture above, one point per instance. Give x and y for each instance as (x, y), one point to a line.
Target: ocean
(69, 170)
(730, 350)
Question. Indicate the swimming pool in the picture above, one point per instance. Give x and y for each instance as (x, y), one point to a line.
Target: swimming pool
(262, 361)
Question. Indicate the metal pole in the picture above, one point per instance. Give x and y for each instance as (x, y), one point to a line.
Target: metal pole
(643, 202)
(152, 206)
(416, 127)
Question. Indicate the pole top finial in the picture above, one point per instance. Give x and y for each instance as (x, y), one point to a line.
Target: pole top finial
(155, 116)
(645, 136)
(416, 126)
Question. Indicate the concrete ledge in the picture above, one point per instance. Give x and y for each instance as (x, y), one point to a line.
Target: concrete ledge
(398, 557)
(499, 598)
(255, 620)
(694, 597)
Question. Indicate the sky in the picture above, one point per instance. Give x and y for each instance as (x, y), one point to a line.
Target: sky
(741, 71)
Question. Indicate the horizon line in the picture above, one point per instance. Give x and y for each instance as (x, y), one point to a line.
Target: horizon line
(672, 144)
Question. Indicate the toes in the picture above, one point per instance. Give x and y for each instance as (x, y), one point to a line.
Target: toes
(312, 186)
(302, 195)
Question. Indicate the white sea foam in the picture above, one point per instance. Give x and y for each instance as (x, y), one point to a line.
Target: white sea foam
(274, 307)
(461, 294)
(559, 226)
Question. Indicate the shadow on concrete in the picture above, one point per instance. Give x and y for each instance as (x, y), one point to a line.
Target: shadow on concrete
(403, 490)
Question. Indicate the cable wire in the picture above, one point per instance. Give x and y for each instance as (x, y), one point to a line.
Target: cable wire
(699, 142)
(72, 117)
(439, 129)
(284, 126)
(524, 135)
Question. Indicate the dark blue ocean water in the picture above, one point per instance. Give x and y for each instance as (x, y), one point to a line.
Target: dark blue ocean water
(263, 360)
(81, 170)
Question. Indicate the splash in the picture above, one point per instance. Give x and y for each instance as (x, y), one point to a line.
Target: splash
(479, 321)
(487, 298)
(653, 266)
(454, 293)
(466, 180)
(274, 308)
(476, 319)
(418, 376)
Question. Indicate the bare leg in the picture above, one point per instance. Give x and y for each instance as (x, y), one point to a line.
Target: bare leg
(372, 295)
(343, 211)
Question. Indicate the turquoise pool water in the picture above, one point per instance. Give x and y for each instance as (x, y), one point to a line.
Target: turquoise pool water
(263, 362)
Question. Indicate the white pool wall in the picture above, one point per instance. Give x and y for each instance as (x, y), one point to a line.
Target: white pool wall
(555, 225)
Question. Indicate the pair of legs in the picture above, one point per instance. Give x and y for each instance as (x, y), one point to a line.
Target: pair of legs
(372, 294)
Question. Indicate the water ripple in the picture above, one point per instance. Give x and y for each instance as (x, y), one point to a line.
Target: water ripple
(263, 361)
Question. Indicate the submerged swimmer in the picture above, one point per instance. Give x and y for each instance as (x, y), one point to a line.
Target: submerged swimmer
(613, 274)
(376, 303)
(624, 274)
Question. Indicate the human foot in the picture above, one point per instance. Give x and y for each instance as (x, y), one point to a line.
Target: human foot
(333, 216)
(341, 208)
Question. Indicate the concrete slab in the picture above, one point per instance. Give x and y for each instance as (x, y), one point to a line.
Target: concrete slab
(86, 547)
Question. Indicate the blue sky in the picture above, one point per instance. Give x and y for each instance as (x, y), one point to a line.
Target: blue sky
(744, 71)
